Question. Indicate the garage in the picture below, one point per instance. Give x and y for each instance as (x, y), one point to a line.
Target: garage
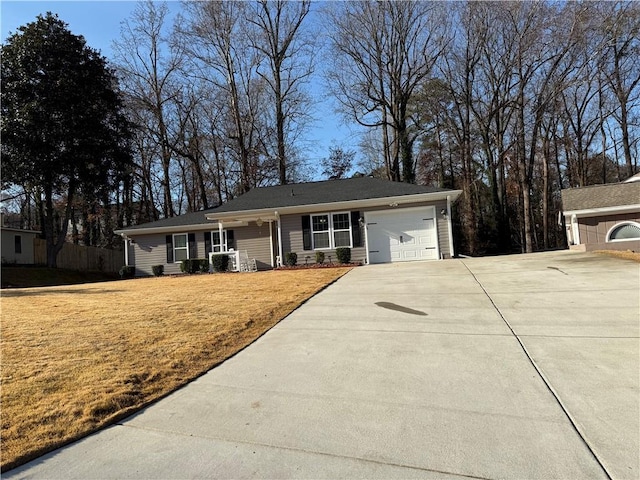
(402, 235)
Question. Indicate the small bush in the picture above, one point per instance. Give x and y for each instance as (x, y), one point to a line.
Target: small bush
(319, 257)
(127, 271)
(291, 259)
(158, 270)
(343, 254)
(220, 263)
(194, 265)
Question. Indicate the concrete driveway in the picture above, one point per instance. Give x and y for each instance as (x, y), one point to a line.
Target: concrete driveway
(522, 367)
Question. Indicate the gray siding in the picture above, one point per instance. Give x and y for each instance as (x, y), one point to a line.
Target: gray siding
(255, 240)
(149, 250)
(292, 242)
(292, 234)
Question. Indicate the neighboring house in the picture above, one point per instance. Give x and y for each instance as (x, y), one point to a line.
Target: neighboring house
(603, 217)
(17, 245)
(381, 221)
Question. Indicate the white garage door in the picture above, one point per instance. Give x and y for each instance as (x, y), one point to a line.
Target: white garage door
(402, 235)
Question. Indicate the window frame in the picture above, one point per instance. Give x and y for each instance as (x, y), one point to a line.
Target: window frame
(608, 238)
(331, 231)
(186, 247)
(223, 245)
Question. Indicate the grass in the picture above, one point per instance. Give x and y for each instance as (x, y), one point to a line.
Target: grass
(77, 358)
(624, 254)
(29, 276)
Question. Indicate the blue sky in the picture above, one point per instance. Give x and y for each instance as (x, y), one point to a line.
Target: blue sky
(99, 23)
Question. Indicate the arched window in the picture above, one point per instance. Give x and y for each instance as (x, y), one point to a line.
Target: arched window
(624, 231)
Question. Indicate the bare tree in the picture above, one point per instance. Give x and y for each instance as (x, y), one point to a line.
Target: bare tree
(382, 52)
(620, 63)
(280, 42)
(149, 65)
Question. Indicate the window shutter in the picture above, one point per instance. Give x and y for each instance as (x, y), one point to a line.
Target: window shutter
(207, 243)
(169, 240)
(193, 246)
(306, 232)
(230, 240)
(355, 229)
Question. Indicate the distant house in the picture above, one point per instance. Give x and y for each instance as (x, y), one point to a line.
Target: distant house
(381, 221)
(18, 245)
(603, 217)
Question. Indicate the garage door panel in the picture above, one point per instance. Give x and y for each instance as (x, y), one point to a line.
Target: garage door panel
(402, 235)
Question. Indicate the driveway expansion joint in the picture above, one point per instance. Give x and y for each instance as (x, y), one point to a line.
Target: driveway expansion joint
(311, 452)
(547, 383)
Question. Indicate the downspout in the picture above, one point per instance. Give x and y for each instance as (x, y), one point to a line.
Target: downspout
(279, 238)
(450, 228)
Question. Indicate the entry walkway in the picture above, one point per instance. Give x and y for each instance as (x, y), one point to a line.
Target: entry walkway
(506, 367)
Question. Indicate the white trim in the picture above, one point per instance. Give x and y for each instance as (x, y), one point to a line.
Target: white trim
(575, 229)
(594, 212)
(280, 254)
(173, 229)
(452, 252)
(186, 247)
(331, 230)
(126, 251)
(273, 264)
(618, 225)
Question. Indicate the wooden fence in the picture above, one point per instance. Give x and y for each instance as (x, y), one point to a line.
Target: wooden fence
(78, 257)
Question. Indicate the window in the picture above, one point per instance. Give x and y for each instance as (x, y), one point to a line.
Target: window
(180, 247)
(331, 230)
(320, 231)
(18, 243)
(341, 230)
(224, 244)
(624, 231)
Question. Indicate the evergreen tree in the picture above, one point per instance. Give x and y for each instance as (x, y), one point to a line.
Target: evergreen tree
(63, 131)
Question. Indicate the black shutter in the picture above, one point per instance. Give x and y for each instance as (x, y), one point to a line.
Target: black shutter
(207, 243)
(356, 230)
(230, 240)
(193, 246)
(306, 232)
(169, 240)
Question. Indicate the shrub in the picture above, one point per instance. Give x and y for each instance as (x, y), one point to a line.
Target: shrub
(343, 254)
(220, 263)
(319, 257)
(127, 271)
(194, 265)
(291, 259)
(158, 270)
(204, 265)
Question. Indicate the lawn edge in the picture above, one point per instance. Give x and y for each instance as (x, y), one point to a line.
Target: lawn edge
(130, 411)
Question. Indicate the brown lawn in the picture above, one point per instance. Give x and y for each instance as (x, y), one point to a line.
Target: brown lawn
(76, 358)
(625, 254)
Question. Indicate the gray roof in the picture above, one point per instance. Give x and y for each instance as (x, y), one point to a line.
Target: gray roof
(313, 193)
(192, 218)
(601, 196)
